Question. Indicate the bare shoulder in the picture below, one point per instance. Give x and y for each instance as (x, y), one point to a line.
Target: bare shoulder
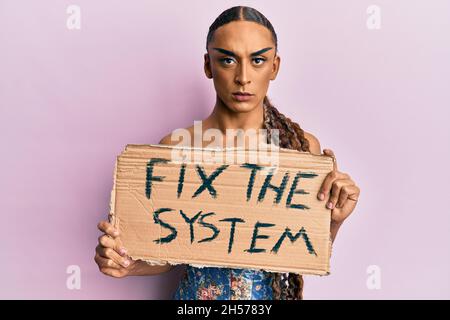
(314, 144)
(176, 137)
(167, 139)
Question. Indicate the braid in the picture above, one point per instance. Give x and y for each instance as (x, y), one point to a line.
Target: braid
(276, 288)
(295, 287)
(291, 137)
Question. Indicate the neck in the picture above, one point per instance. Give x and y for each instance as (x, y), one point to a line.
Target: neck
(223, 118)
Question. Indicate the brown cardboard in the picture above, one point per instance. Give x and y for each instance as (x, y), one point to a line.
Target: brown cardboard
(134, 214)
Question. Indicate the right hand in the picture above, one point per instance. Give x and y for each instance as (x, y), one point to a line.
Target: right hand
(110, 256)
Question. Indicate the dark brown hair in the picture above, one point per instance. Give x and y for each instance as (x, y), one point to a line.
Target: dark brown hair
(291, 136)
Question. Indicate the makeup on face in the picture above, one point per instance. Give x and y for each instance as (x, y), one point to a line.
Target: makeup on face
(233, 57)
(241, 96)
(232, 54)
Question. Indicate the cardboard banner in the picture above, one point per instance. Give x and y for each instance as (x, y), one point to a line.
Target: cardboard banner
(239, 214)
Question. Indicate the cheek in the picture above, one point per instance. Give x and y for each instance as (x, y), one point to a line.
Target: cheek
(262, 82)
(223, 77)
(223, 81)
(219, 73)
(264, 75)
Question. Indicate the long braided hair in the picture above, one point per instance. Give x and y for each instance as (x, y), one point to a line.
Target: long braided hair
(286, 286)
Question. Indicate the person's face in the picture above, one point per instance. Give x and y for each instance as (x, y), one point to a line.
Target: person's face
(242, 58)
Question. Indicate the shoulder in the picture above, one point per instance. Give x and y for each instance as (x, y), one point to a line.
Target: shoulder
(314, 144)
(176, 137)
(167, 139)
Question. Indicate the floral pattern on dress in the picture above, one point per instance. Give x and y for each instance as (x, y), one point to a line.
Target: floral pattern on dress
(211, 283)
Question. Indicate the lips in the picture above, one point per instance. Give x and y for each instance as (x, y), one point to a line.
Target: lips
(242, 96)
(242, 93)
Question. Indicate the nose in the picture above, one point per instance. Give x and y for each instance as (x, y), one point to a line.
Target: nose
(242, 76)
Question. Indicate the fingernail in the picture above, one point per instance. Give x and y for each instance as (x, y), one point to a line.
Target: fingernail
(126, 263)
(116, 233)
(321, 196)
(122, 251)
(330, 205)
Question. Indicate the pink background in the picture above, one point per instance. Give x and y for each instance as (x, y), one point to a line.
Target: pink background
(70, 100)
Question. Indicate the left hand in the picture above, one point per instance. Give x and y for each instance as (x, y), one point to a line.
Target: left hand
(339, 191)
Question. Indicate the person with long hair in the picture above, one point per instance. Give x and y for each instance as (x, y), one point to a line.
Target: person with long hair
(241, 59)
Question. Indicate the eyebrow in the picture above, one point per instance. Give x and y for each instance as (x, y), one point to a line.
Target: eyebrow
(231, 53)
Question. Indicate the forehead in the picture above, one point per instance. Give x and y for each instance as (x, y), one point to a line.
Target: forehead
(242, 37)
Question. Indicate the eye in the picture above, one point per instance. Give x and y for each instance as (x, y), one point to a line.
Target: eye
(259, 61)
(227, 61)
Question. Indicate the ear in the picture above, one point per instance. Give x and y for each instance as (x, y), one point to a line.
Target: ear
(275, 67)
(207, 66)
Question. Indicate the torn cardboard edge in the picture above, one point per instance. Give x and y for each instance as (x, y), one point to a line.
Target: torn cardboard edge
(209, 265)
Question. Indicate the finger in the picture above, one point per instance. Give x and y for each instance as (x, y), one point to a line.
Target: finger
(106, 263)
(108, 228)
(340, 214)
(109, 253)
(329, 152)
(108, 242)
(343, 196)
(353, 192)
(335, 191)
(113, 272)
(327, 184)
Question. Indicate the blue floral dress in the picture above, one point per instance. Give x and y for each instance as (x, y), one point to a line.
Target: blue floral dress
(210, 283)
